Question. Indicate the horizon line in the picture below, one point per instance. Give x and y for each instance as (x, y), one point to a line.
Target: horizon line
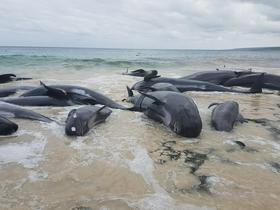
(118, 48)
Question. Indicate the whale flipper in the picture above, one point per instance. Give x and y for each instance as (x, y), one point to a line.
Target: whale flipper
(157, 101)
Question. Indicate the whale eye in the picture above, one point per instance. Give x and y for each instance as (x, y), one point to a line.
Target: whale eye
(75, 115)
(73, 129)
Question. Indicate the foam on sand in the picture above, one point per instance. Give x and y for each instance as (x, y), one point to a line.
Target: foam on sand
(27, 154)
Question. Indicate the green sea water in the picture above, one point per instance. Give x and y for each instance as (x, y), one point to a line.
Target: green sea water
(13, 59)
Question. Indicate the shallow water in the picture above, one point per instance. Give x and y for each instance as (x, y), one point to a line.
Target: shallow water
(131, 162)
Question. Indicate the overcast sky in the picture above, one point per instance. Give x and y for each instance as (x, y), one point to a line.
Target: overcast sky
(195, 24)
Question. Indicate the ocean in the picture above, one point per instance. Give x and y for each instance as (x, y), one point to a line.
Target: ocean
(130, 161)
(18, 58)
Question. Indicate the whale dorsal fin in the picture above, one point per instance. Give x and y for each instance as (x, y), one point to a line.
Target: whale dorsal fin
(213, 104)
(129, 91)
(55, 92)
(258, 84)
(157, 101)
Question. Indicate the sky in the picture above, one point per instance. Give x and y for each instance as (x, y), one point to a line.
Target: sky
(154, 24)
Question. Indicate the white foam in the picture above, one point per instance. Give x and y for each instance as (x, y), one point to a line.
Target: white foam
(78, 144)
(56, 129)
(27, 154)
(142, 164)
(251, 164)
(230, 142)
(34, 175)
(163, 202)
(216, 181)
(275, 146)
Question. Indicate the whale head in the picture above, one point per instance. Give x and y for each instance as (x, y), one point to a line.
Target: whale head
(186, 122)
(81, 120)
(183, 115)
(7, 127)
(75, 125)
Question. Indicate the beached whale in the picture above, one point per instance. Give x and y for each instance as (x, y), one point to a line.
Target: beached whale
(225, 115)
(39, 101)
(217, 77)
(81, 120)
(270, 81)
(13, 111)
(140, 72)
(4, 78)
(193, 85)
(175, 110)
(7, 127)
(79, 95)
(13, 90)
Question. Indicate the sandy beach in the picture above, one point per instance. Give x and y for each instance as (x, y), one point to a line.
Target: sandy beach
(130, 161)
